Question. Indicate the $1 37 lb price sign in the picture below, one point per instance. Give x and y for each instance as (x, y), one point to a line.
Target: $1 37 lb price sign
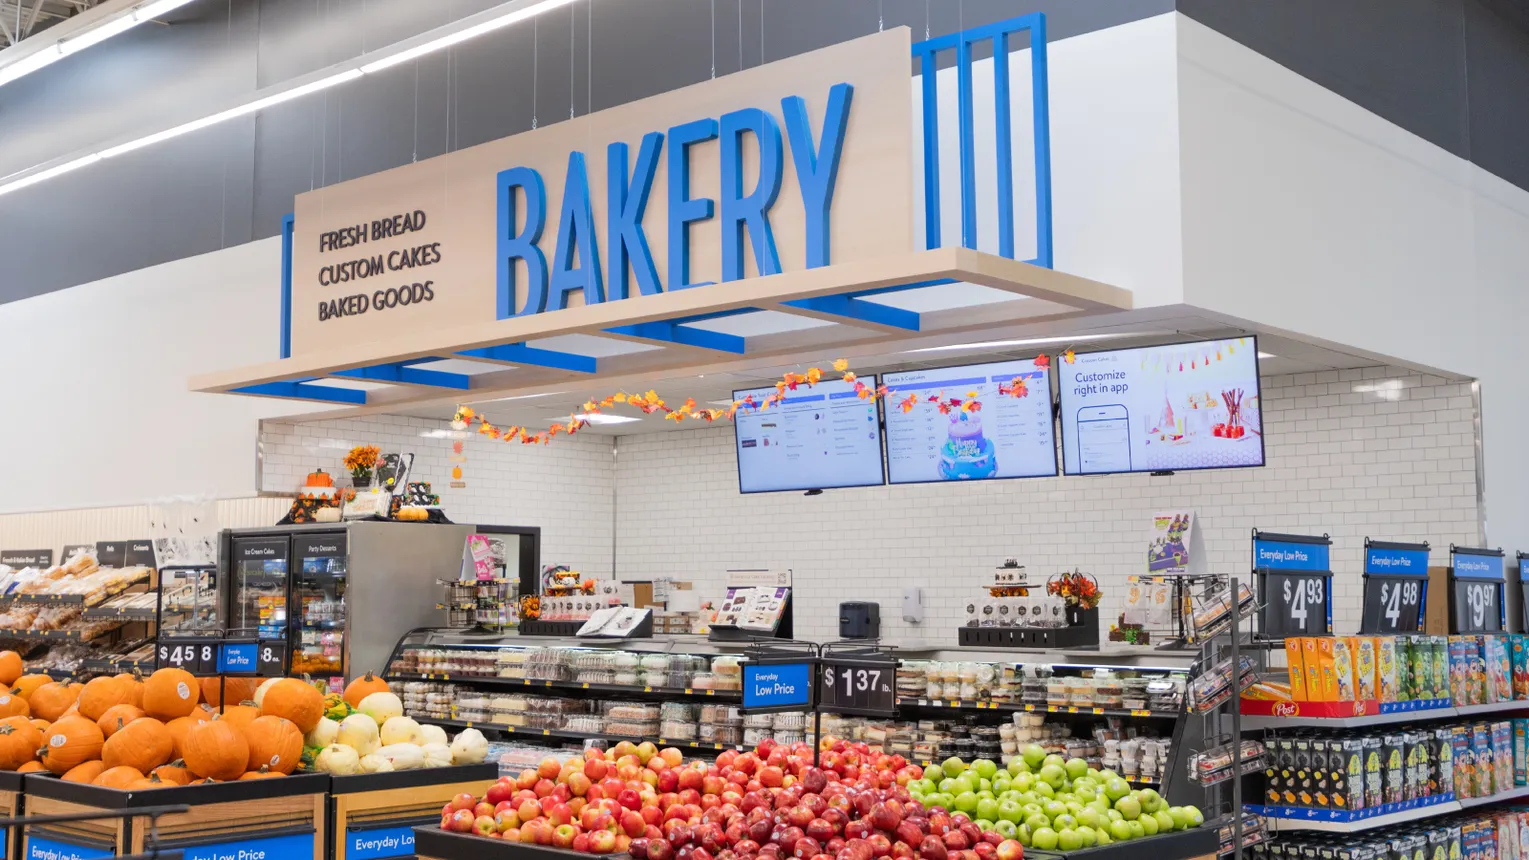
(857, 686)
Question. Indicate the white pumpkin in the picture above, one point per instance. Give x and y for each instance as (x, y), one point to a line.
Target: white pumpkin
(323, 734)
(401, 730)
(436, 755)
(403, 756)
(360, 733)
(338, 760)
(381, 707)
(433, 735)
(469, 747)
(375, 764)
(260, 690)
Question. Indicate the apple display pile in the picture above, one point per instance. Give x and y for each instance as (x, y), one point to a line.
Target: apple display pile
(1049, 803)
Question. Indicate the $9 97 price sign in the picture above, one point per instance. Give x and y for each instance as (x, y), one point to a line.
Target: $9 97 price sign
(1478, 606)
(848, 686)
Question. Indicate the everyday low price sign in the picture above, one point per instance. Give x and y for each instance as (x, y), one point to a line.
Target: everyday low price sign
(777, 685)
(379, 842)
(39, 848)
(1295, 584)
(296, 846)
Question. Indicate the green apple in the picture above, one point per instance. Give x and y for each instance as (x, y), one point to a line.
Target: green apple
(1064, 821)
(1069, 840)
(1196, 818)
(1009, 811)
(1053, 775)
(1089, 836)
(1083, 793)
(1128, 807)
(987, 808)
(1120, 831)
(1137, 830)
(1053, 808)
(1089, 817)
(1037, 821)
(1165, 822)
(1148, 824)
(1002, 782)
(953, 766)
(1045, 839)
(943, 798)
(985, 786)
(1053, 758)
(1032, 807)
(1014, 765)
(1076, 768)
(1179, 816)
(967, 802)
(985, 768)
(1114, 815)
(1033, 755)
(964, 783)
(1086, 782)
(1073, 806)
(1114, 788)
(1006, 829)
(1024, 781)
(983, 824)
(1151, 801)
(1100, 803)
(1043, 790)
(1022, 833)
(947, 785)
(1106, 775)
(1103, 837)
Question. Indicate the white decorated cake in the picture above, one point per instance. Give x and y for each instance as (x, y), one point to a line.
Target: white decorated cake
(966, 452)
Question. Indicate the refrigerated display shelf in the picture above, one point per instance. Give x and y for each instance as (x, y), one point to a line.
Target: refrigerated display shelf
(515, 731)
(523, 683)
(960, 704)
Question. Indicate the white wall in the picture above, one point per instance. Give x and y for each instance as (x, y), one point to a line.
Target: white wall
(565, 488)
(1304, 212)
(97, 413)
(1378, 452)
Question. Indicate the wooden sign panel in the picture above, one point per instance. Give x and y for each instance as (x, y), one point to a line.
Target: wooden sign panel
(421, 246)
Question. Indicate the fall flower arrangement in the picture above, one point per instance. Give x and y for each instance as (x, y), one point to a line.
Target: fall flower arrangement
(360, 461)
(1076, 588)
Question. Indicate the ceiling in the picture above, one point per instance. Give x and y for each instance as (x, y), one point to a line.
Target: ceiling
(537, 411)
(22, 18)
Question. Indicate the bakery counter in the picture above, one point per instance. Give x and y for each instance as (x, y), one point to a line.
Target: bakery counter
(659, 643)
(1110, 655)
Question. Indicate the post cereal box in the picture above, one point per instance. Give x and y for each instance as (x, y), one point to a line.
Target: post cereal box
(1385, 669)
(1343, 669)
(1328, 687)
(1297, 665)
(1363, 648)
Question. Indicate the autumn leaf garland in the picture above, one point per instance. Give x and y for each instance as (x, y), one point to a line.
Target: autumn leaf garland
(649, 402)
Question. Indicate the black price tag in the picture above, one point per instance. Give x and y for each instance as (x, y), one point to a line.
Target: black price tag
(1477, 606)
(1392, 604)
(40, 558)
(139, 552)
(197, 656)
(271, 658)
(112, 553)
(1295, 604)
(850, 686)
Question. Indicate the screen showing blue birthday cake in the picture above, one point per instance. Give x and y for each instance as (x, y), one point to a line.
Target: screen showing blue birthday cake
(1010, 435)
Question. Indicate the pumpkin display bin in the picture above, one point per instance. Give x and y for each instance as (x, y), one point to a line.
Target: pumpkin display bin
(367, 807)
(283, 818)
(11, 807)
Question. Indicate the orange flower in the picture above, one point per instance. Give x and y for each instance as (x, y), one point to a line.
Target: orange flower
(841, 365)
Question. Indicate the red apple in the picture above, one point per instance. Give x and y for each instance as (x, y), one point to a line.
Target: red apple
(806, 847)
(881, 846)
(462, 820)
(632, 822)
(972, 831)
(677, 832)
(985, 850)
(581, 842)
(660, 849)
(563, 835)
(602, 842)
(858, 829)
(955, 840)
(462, 801)
(933, 848)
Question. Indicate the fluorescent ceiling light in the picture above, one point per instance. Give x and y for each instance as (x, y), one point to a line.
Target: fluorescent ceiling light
(51, 172)
(93, 35)
(1267, 355)
(522, 397)
(1031, 341)
(97, 35)
(460, 36)
(28, 65)
(602, 418)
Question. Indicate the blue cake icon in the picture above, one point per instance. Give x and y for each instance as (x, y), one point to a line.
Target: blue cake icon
(966, 452)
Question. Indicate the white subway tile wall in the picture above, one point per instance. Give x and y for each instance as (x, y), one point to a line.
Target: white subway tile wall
(566, 487)
(1376, 452)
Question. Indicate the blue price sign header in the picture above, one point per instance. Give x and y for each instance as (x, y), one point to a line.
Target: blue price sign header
(298, 846)
(1469, 565)
(379, 842)
(237, 658)
(48, 849)
(777, 685)
(1289, 555)
(1399, 562)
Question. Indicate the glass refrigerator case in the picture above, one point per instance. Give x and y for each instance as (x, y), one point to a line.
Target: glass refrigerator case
(318, 605)
(260, 571)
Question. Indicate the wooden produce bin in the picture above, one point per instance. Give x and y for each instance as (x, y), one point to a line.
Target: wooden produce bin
(10, 807)
(374, 814)
(282, 818)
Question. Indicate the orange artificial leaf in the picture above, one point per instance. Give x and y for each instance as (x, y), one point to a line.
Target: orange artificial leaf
(971, 395)
(841, 365)
(1069, 356)
(591, 406)
(814, 375)
(1042, 361)
(675, 417)
(849, 377)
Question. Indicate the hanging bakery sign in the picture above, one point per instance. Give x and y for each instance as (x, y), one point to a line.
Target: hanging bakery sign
(795, 165)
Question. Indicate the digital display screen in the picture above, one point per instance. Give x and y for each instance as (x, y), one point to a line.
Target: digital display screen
(1162, 408)
(1009, 437)
(821, 437)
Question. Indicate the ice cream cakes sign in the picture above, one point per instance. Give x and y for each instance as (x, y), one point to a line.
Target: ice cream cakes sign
(802, 163)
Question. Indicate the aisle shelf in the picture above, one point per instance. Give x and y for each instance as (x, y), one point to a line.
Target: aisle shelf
(959, 704)
(1281, 818)
(523, 683)
(57, 635)
(86, 600)
(577, 736)
(1275, 722)
(1519, 791)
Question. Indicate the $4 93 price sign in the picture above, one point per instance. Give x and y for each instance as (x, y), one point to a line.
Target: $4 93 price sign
(1392, 604)
(1295, 604)
(857, 687)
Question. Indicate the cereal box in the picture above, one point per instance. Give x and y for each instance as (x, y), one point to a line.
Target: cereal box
(1363, 649)
(1502, 755)
(1323, 646)
(1458, 669)
(1297, 665)
(1485, 769)
(1519, 660)
(1385, 668)
(1443, 753)
(1440, 648)
(1520, 751)
(1343, 669)
(1475, 654)
(1464, 761)
(1420, 667)
(1499, 669)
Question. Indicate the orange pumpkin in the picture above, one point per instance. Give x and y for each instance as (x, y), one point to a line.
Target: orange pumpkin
(362, 687)
(118, 716)
(70, 742)
(217, 750)
(32, 767)
(263, 773)
(120, 777)
(13, 705)
(19, 741)
(28, 684)
(174, 773)
(241, 715)
(106, 692)
(274, 743)
(41, 725)
(85, 772)
(219, 689)
(150, 781)
(50, 701)
(143, 745)
(11, 667)
(170, 693)
(298, 701)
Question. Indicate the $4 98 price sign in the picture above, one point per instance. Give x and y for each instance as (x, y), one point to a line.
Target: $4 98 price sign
(1392, 604)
